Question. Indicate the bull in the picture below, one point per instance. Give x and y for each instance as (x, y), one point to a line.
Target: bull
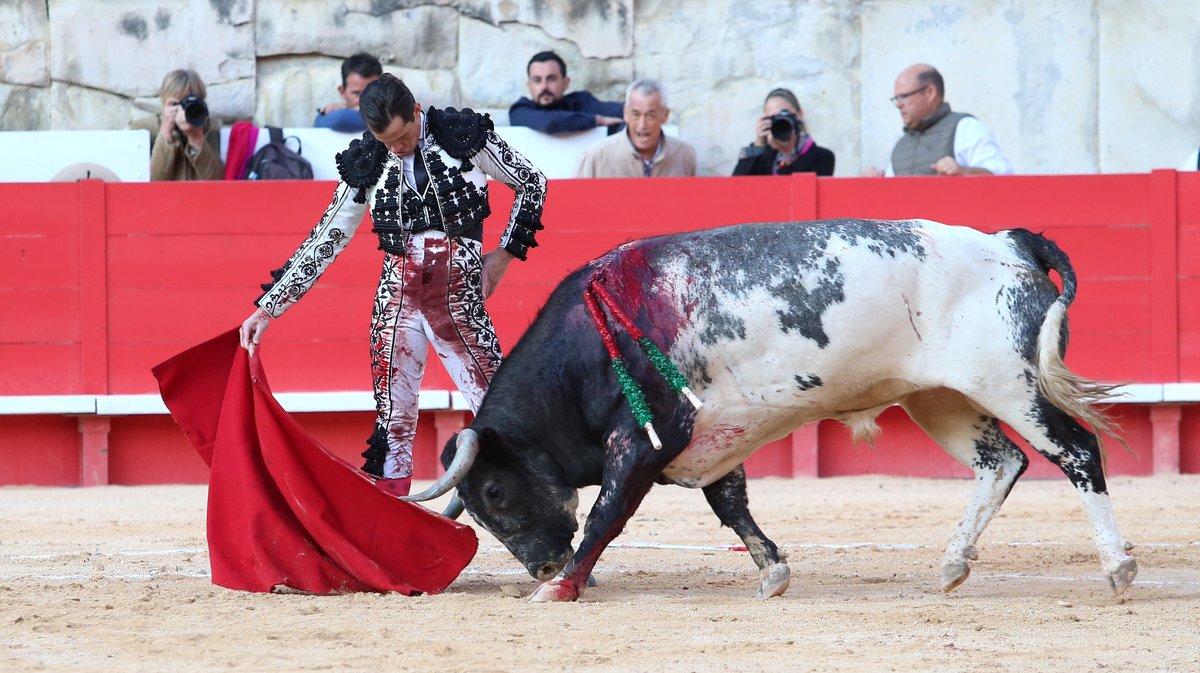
(777, 325)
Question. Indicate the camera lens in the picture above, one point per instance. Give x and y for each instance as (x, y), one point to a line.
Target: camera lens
(782, 127)
(195, 110)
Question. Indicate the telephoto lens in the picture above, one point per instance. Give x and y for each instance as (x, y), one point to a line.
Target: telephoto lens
(783, 125)
(195, 110)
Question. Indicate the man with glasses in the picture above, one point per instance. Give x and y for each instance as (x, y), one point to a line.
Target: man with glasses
(936, 140)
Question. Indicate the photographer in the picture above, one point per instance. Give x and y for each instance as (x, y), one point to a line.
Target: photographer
(188, 144)
(782, 145)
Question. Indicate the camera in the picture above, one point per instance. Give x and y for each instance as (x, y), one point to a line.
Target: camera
(195, 110)
(783, 124)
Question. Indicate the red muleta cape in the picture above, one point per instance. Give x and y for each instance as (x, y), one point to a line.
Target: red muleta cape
(284, 511)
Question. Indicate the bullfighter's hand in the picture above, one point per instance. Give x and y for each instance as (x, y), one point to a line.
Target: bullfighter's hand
(252, 329)
(495, 263)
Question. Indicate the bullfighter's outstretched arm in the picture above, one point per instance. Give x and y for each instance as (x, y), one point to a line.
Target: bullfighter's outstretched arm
(325, 242)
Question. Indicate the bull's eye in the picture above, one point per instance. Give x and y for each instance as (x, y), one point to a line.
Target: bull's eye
(493, 492)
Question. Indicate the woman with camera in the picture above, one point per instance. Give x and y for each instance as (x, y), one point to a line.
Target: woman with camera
(782, 145)
(188, 145)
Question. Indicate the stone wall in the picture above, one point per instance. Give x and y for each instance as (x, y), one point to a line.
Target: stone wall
(1068, 86)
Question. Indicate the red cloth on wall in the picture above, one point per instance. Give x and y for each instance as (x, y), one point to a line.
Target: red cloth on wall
(284, 511)
(243, 137)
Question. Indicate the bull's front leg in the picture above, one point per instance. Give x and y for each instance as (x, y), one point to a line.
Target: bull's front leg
(729, 501)
(628, 476)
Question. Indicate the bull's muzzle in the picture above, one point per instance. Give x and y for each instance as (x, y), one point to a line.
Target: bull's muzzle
(547, 570)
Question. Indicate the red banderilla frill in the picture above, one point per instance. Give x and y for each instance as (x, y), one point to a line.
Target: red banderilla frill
(629, 386)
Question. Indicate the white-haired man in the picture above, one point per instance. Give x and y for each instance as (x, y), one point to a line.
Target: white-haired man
(642, 150)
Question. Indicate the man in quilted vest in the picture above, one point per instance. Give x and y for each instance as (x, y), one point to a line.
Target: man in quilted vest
(422, 174)
(937, 140)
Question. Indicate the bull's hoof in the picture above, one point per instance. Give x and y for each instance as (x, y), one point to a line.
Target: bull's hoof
(954, 573)
(774, 580)
(1120, 579)
(555, 591)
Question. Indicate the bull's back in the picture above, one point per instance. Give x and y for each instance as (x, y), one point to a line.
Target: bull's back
(790, 323)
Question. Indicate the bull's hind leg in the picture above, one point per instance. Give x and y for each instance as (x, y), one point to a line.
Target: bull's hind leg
(728, 499)
(1075, 450)
(975, 440)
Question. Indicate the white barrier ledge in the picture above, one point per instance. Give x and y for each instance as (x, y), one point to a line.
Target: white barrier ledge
(1181, 392)
(430, 400)
(1139, 393)
(149, 404)
(555, 155)
(33, 405)
(45, 156)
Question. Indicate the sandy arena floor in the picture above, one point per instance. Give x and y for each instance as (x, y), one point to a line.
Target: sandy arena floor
(117, 579)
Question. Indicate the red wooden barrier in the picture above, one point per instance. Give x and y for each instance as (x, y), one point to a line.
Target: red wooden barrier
(98, 282)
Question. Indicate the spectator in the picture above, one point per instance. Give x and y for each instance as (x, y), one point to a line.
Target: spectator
(1192, 163)
(642, 150)
(782, 145)
(357, 72)
(554, 111)
(423, 175)
(188, 144)
(937, 141)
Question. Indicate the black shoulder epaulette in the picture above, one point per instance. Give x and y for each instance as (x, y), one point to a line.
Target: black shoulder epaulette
(460, 134)
(361, 164)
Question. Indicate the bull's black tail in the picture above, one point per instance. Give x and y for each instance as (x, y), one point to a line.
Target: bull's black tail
(1070, 392)
(1048, 256)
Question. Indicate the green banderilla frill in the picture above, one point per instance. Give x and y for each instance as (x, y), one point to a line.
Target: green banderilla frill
(668, 370)
(637, 400)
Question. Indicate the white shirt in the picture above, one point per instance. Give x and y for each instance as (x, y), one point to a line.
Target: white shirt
(1189, 164)
(975, 146)
(407, 163)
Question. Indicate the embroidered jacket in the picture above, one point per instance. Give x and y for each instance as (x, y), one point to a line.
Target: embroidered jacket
(460, 151)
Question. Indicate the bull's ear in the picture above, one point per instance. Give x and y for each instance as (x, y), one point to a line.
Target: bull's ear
(448, 450)
(490, 441)
(488, 435)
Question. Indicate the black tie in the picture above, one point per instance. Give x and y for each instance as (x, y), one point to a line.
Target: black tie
(420, 175)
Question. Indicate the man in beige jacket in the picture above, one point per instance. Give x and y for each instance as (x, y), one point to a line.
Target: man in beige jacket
(641, 150)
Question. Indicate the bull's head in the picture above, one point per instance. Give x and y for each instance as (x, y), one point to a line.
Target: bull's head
(528, 509)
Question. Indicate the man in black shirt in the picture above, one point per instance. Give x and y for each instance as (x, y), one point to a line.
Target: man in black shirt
(552, 110)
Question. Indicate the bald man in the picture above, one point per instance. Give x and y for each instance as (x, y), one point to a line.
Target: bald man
(937, 140)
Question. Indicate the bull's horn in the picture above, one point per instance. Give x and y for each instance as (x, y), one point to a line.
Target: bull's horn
(465, 450)
(454, 508)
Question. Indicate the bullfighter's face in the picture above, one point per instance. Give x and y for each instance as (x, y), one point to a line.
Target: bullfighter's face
(401, 137)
